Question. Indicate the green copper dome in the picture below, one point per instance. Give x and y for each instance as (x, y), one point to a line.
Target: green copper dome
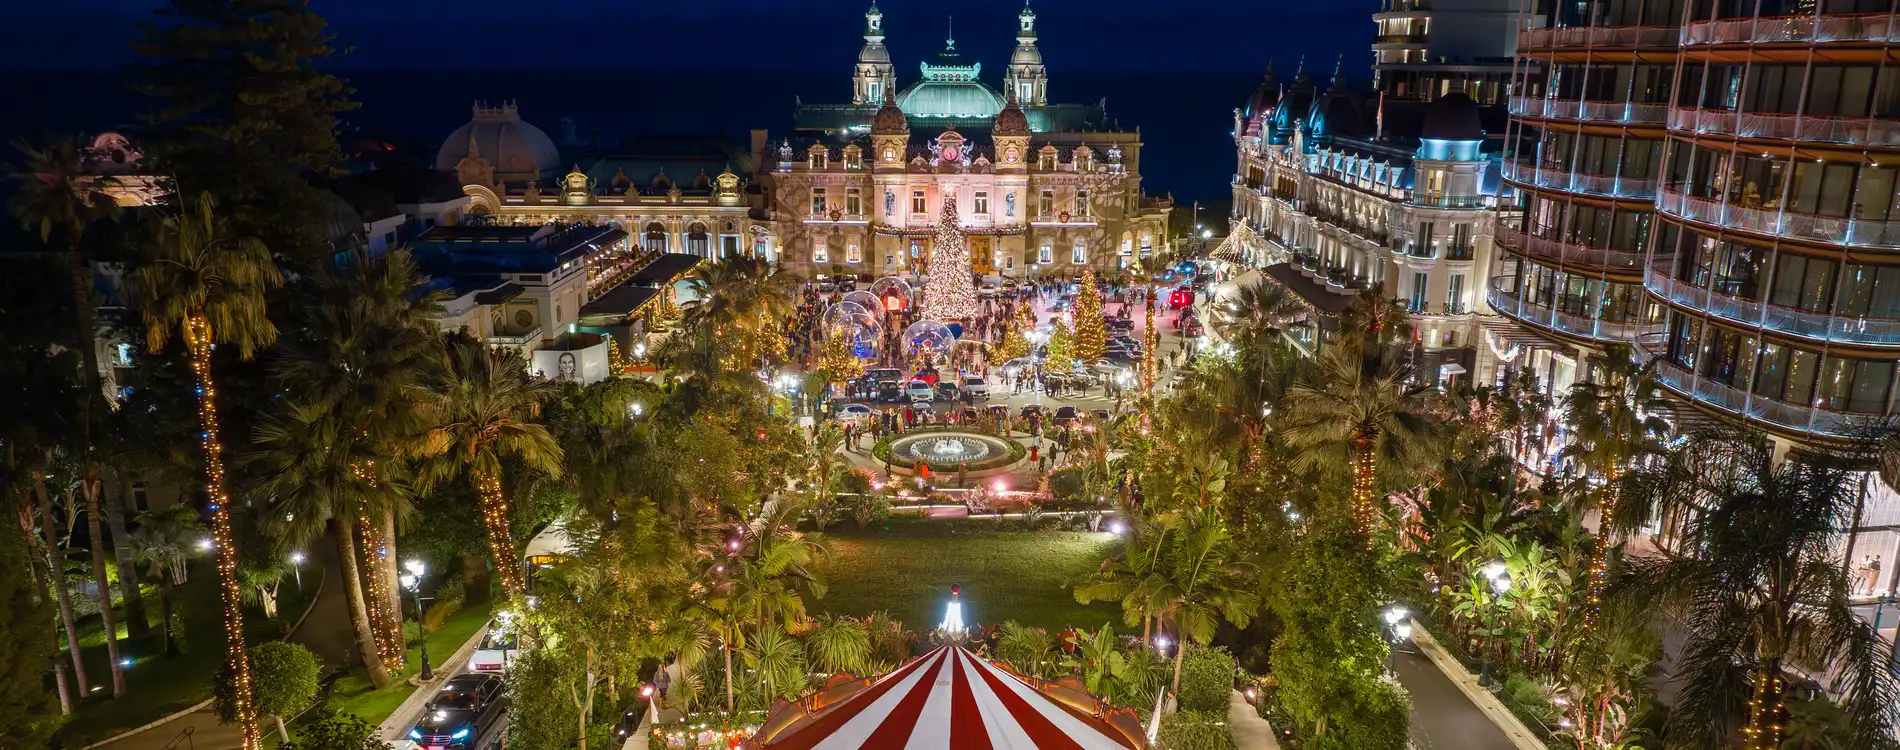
(956, 99)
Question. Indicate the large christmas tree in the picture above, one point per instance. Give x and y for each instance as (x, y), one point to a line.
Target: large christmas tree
(1016, 340)
(1091, 332)
(950, 295)
(839, 363)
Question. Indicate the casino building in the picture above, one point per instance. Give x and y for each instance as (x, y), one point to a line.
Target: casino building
(1042, 189)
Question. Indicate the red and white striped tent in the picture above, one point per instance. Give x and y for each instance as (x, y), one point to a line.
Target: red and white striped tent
(950, 699)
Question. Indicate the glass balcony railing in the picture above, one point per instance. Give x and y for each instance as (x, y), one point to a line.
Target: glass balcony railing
(1554, 319)
(1870, 27)
(1778, 222)
(1611, 186)
(1634, 113)
(1794, 322)
(1599, 36)
(1760, 408)
(1859, 131)
(1567, 253)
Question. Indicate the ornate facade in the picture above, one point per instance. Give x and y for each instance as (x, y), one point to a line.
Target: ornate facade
(1041, 189)
(1339, 190)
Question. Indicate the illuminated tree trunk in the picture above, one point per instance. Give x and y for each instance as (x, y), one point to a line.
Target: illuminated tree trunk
(1767, 714)
(1600, 557)
(1365, 484)
(384, 622)
(501, 539)
(89, 487)
(37, 564)
(136, 626)
(361, 626)
(198, 343)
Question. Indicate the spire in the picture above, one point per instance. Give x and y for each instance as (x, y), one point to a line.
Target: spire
(1339, 70)
(1269, 78)
(874, 25)
(950, 37)
(1026, 30)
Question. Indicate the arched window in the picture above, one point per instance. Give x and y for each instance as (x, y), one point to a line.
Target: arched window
(655, 239)
(697, 243)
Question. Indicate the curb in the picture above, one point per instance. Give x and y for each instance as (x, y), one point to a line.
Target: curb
(1488, 704)
(163, 720)
(390, 730)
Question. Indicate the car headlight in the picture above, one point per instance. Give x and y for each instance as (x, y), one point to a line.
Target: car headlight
(459, 733)
(415, 734)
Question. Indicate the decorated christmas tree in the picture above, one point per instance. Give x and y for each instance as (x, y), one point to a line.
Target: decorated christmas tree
(1016, 340)
(1061, 352)
(1091, 334)
(839, 363)
(950, 295)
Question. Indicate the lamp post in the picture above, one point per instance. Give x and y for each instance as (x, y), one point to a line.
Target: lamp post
(1395, 616)
(296, 568)
(1500, 579)
(413, 581)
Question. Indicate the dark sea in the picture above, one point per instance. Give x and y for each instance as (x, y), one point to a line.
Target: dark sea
(1185, 118)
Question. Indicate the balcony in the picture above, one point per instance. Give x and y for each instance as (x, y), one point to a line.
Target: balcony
(1566, 253)
(1398, 39)
(1871, 27)
(1772, 317)
(1779, 223)
(519, 339)
(1633, 113)
(1557, 320)
(1859, 131)
(1610, 186)
(1599, 36)
(1759, 408)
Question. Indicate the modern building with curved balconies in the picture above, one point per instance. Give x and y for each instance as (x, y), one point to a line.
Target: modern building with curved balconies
(1589, 107)
(1777, 255)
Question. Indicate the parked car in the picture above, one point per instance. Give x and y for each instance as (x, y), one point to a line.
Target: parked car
(1064, 415)
(919, 390)
(1030, 410)
(1117, 325)
(946, 390)
(921, 407)
(1018, 366)
(497, 650)
(884, 373)
(1181, 297)
(975, 388)
(1063, 303)
(928, 375)
(852, 413)
(987, 290)
(890, 391)
(459, 714)
(1193, 328)
(1101, 415)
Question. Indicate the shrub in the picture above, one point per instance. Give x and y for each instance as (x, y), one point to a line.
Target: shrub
(1195, 730)
(283, 679)
(338, 732)
(1207, 678)
(1067, 484)
(448, 601)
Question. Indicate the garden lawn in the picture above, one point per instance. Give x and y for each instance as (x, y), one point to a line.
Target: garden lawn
(354, 694)
(156, 686)
(907, 570)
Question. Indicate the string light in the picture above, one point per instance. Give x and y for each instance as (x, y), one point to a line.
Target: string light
(501, 543)
(198, 344)
(389, 640)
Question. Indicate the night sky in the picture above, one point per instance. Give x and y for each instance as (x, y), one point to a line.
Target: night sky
(1077, 35)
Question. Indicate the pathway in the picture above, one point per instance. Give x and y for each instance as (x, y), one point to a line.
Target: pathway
(1250, 732)
(325, 631)
(1442, 717)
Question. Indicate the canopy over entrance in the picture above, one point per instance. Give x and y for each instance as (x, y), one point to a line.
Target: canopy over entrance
(950, 699)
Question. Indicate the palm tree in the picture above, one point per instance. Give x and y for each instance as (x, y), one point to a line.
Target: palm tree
(839, 645)
(315, 470)
(363, 347)
(1360, 406)
(206, 285)
(1259, 314)
(1615, 422)
(162, 545)
(1202, 583)
(1758, 587)
(737, 299)
(779, 661)
(828, 462)
(481, 408)
(55, 194)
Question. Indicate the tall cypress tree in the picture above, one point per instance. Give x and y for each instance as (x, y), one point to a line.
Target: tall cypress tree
(241, 110)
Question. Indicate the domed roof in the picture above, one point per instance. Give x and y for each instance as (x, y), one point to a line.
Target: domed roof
(1335, 113)
(1454, 117)
(874, 52)
(500, 137)
(1011, 121)
(890, 120)
(960, 99)
(1260, 105)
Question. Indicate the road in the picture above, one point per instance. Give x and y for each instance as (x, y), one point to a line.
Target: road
(1442, 717)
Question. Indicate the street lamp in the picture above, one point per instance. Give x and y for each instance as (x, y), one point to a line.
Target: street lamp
(1500, 579)
(413, 581)
(296, 568)
(1395, 621)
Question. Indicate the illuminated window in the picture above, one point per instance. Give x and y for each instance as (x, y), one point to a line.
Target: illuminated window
(1079, 255)
(852, 254)
(982, 203)
(1128, 246)
(1046, 255)
(818, 201)
(1081, 204)
(917, 203)
(1047, 205)
(853, 202)
(819, 253)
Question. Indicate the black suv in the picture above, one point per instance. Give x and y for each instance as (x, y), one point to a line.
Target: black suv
(464, 709)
